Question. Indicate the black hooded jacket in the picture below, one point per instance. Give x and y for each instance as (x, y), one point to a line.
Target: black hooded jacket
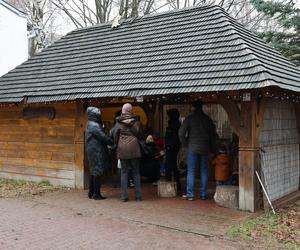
(171, 137)
(96, 142)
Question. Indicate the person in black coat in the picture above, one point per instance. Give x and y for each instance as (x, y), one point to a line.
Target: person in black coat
(96, 142)
(172, 145)
(198, 135)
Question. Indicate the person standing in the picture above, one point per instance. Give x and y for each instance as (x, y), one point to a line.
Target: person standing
(96, 142)
(127, 133)
(172, 146)
(198, 134)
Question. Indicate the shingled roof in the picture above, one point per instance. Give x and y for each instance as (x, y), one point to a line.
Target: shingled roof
(197, 49)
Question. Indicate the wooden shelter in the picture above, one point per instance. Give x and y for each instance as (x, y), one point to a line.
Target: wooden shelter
(153, 61)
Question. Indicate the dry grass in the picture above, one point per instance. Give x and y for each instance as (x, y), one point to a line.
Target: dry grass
(281, 231)
(18, 188)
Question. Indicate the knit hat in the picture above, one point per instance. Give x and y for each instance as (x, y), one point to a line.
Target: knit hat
(149, 139)
(127, 108)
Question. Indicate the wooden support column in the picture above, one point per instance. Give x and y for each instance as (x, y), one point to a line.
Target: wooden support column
(252, 113)
(80, 122)
(246, 123)
(157, 122)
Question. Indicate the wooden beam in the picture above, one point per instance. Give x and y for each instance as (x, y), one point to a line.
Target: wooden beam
(252, 113)
(157, 118)
(232, 111)
(80, 122)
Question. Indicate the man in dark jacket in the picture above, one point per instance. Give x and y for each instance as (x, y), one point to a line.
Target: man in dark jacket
(96, 142)
(127, 133)
(172, 145)
(198, 134)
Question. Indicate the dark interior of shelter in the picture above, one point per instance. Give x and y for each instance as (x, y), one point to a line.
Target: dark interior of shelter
(226, 139)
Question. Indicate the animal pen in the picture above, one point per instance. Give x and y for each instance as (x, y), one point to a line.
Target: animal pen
(156, 62)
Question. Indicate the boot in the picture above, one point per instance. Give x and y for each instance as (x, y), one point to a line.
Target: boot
(91, 187)
(97, 186)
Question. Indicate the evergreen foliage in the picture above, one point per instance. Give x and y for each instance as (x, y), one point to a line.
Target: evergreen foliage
(286, 38)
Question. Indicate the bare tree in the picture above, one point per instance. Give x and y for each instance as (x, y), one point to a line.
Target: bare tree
(84, 13)
(40, 22)
(242, 10)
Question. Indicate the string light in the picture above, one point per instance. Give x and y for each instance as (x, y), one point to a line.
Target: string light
(180, 98)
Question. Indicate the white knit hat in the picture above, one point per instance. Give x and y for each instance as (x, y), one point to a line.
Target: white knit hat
(127, 108)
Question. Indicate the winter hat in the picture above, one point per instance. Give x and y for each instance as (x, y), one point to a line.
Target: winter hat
(149, 139)
(127, 108)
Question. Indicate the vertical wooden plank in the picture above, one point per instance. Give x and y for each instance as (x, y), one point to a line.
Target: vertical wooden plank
(249, 154)
(157, 116)
(80, 122)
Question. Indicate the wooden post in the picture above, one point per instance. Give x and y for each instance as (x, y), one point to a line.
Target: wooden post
(246, 123)
(157, 122)
(252, 112)
(79, 146)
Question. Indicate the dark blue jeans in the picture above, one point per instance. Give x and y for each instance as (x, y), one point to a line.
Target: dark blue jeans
(134, 164)
(192, 160)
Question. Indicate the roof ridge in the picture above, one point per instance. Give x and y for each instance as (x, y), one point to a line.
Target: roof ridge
(164, 13)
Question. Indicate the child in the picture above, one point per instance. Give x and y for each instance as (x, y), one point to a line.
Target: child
(150, 166)
(161, 149)
(222, 166)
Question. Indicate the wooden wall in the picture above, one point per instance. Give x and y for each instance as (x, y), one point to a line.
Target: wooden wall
(38, 149)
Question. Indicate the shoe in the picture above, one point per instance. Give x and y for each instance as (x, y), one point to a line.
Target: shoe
(131, 183)
(185, 197)
(125, 200)
(99, 197)
(138, 199)
(90, 195)
(203, 197)
(154, 183)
